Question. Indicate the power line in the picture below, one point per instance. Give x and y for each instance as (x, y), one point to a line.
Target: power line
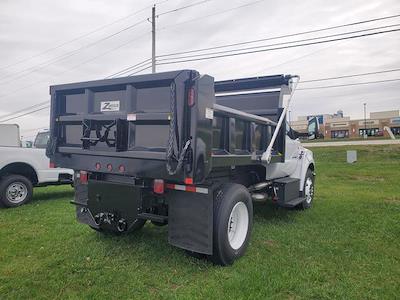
(24, 109)
(148, 67)
(79, 37)
(183, 7)
(347, 84)
(283, 36)
(25, 114)
(348, 76)
(281, 43)
(128, 69)
(291, 60)
(211, 15)
(278, 48)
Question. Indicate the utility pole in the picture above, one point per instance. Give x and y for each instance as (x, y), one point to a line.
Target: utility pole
(153, 39)
(365, 120)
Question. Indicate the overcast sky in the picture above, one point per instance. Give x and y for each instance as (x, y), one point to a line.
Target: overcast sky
(29, 27)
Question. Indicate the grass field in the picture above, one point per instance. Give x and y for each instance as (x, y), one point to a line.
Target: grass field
(347, 246)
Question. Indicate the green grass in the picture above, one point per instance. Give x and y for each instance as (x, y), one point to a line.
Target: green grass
(347, 246)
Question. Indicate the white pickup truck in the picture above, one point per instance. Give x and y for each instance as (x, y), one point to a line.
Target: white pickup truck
(23, 168)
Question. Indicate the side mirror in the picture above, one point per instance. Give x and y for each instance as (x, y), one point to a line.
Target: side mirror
(312, 128)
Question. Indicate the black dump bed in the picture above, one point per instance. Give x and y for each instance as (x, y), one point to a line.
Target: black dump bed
(170, 125)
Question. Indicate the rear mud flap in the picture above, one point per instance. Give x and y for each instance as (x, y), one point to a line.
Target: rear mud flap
(190, 224)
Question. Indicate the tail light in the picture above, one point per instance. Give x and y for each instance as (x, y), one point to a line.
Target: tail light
(188, 180)
(83, 177)
(52, 165)
(158, 186)
(191, 96)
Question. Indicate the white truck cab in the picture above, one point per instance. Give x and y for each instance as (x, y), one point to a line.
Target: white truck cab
(21, 169)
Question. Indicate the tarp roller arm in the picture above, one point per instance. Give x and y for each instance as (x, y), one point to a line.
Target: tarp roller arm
(267, 155)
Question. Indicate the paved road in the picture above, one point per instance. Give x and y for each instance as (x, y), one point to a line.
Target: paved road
(352, 143)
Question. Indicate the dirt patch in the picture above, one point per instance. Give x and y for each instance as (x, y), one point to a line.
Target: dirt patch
(392, 200)
(270, 243)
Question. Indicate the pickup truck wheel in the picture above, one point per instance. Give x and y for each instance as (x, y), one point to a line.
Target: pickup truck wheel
(233, 219)
(15, 190)
(308, 190)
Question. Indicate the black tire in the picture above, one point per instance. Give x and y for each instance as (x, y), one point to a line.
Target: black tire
(135, 226)
(230, 196)
(309, 198)
(15, 190)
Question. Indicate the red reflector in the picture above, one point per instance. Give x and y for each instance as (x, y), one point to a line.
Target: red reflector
(190, 188)
(83, 177)
(98, 166)
(188, 180)
(158, 186)
(109, 167)
(191, 96)
(170, 186)
(121, 168)
(52, 165)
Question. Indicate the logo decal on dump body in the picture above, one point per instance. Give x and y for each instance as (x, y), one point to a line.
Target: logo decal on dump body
(109, 106)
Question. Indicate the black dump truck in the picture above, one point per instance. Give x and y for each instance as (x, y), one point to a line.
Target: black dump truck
(179, 149)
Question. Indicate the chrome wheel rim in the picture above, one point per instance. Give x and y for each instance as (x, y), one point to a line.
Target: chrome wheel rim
(309, 190)
(238, 225)
(16, 192)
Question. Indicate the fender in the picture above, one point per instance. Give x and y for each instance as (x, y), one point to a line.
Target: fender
(306, 161)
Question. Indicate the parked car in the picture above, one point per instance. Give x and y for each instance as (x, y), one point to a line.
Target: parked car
(21, 169)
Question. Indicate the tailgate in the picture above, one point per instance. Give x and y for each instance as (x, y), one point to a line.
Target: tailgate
(117, 120)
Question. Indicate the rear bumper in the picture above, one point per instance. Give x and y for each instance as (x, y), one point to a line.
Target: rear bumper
(53, 175)
(190, 213)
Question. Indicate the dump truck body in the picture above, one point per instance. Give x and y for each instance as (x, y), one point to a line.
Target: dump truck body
(164, 147)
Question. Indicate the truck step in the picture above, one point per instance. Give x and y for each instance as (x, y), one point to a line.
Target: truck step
(152, 217)
(292, 203)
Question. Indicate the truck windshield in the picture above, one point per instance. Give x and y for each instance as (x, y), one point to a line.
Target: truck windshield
(41, 140)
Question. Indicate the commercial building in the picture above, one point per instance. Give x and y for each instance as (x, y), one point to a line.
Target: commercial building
(338, 126)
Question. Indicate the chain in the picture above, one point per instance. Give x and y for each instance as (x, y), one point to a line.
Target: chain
(173, 137)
